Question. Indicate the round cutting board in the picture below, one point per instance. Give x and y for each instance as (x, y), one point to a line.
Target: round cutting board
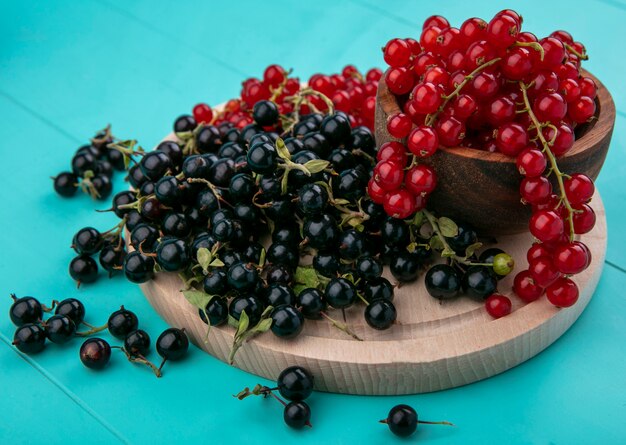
(434, 345)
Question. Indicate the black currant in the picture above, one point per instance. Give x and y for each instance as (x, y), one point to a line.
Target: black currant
(262, 158)
(241, 188)
(66, 184)
(402, 420)
(283, 254)
(175, 224)
(242, 276)
(216, 310)
(336, 128)
(172, 150)
(137, 342)
(321, 231)
(312, 199)
(404, 267)
(377, 288)
(317, 143)
(84, 269)
(478, 282)
(351, 244)
(25, 310)
(265, 113)
(95, 353)
(215, 282)
(311, 303)
(395, 232)
(341, 159)
(138, 267)
(279, 273)
(144, 237)
(442, 281)
(207, 202)
(133, 219)
(30, 338)
(196, 166)
(60, 329)
(208, 139)
(104, 168)
(251, 305)
(155, 164)
(116, 158)
(465, 237)
(287, 321)
(221, 172)
(172, 344)
(340, 293)
(72, 308)
(87, 240)
(172, 254)
(151, 209)
(279, 294)
(368, 267)
(380, 314)
(231, 150)
(168, 190)
(121, 199)
(295, 383)
(326, 263)
(82, 163)
(286, 234)
(293, 145)
(102, 185)
(350, 185)
(363, 139)
(112, 258)
(297, 414)
(122, 322)
(184, 123)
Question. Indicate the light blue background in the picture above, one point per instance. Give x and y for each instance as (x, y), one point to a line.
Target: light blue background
(69, 67)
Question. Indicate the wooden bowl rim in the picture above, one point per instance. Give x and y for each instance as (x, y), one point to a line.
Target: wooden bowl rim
(605, 113)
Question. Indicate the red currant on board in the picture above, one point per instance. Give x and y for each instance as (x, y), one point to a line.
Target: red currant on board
(563, 292)
(498, 305)
(584, 219)
(543, 271)
(570, 258)
(579, 188)
(525, 287)
(537, 251)
(546, 225)
(399, 204)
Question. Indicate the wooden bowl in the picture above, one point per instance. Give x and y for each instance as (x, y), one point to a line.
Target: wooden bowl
(482, 188)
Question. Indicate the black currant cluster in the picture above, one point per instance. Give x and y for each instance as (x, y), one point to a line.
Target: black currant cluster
(294, 384)
(92, 168)
(27, 313)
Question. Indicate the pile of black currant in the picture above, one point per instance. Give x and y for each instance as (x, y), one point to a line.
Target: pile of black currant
(32, 332)
(92, 168)
(294, 384)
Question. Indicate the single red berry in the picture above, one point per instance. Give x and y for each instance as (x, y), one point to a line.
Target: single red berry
(570, 258)
(392, 151)
(525, 287)
(570, 90)
(323, 84)
(472, 30)
(562, 141)
(349, 71)
(511, 13)
(274, 75)
(388, 175)
(420, 180)
(437, 76)
(511, 139)
(423, 61)
(563, 292)
(568, 71)
(464, 106)
(449, 40)
(374, 75)
(563, 36)
(500, 111)
(498, 305)
(535, 190)
(543, 271)
(357, 96)
(397, 53)
(436, 20)
(428, 39)
(544, 80)
(551, 203)
(485, 85)
(399, 80)
(588, 87)
(341, 101)
(550, 107)
(479, 53)
(399, 125)
(582, 110)
(517, 64)
(456, 61)
(375, 191)
(203, 113)
(527, 37)
(579, 188)
(584, 219)
(450, 131)
(502, 31)
(423, 141)
(553, 53)
(536, 251)
(546, 225)
(368, 108)
(399, 204)
(531, 162)
(426, 97)
(414, 45)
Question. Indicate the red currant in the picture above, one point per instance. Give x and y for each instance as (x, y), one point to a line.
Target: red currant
(553, 53)
(449, 40)
(584, 219)
(570, 258)
(399, 125)
(341, 101)
(550, 107)
(498, 305)
(399, 203)
(570, 90)
(535, 190)
(518, 18)
(525, 287)
(511, 139)
(582, 109)
(392, 151)
(517, 63)
(563, 292)
(531, 162)
(428, 39)
(464, 106)
(274, 75)
(424, 61)
(543, 271)
(437, 76)
(202, 113)
(579, 188)
(568, 71)
(436, 20)
(536, 251)
(500, 111)
(423, 141)
(450, 130)
(562, 141)
(472, 30)
(397, 53)
(426, 97)
(546, 225)
(588, 87)
(479, 53)
(388, 175)
(399, 80)
(542, 81)
(485, 85)
(502, 31)
(374, 75)
(421, 180)
(563, 36)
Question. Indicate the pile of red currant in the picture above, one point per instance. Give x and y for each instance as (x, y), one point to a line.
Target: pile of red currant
(490, 86)
(350, 92)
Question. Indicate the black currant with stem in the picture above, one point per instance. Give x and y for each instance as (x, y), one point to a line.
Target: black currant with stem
(402, 421)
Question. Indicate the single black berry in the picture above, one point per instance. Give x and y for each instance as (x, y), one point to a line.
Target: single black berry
(122, 322)
(87, 240)
(138, 267)
(137, 342)
(66, 184)
(340, 293)
(287, 321)
(95, 353)
(311, 303)
(30, 338)
(478, 282)
(84, 269)
(25, 310)
(73, 308)
(380, 314)
(265, 113)
(297, 414)
(295, 383)
(172, 344)
(60, 329)
(442, 281)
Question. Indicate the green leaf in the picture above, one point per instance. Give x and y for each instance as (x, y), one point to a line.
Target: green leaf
(448, 227)
(298, 288)
(217, 263)
(262, 257)
(341, 201)
(447, 252)
(197, 298)
(204, 258)
(469, 251)
(232, 321)
(418, 219)
(262, 326)
(282, 150)
(243, 324)
(435, 243)
(307, 276)
(284, 182)
(316, 165)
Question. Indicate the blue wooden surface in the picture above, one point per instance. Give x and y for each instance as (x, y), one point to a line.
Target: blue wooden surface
(67, 68)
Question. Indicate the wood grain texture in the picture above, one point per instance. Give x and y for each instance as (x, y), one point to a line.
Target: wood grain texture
(482, 188)
(435, 345)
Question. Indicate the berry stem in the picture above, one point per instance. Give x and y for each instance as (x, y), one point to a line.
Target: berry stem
(534, 45)
(443, 422)
(142, 360)
(433, 117)
(341, 326)
(553, 164)
(571, 49)
(93, 330)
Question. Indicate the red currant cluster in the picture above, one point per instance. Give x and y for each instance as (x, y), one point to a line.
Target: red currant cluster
(350, 92)
(490, 86)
